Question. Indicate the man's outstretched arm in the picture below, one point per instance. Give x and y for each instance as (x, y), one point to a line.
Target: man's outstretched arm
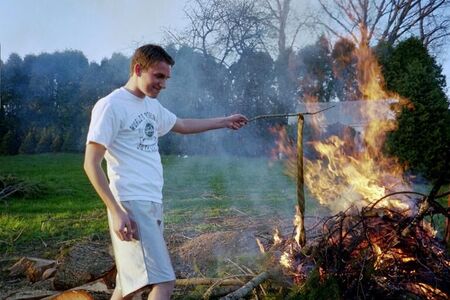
(92, 166)
(186, 126)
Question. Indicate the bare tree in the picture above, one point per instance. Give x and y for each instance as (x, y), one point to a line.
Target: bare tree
(371, 21)
(224, 29)
(283, 18)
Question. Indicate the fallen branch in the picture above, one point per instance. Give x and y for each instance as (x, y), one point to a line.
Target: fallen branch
(248, 287)
(219, 291)
(211, 281)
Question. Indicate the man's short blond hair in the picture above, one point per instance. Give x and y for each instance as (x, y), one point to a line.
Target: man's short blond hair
(148, 55)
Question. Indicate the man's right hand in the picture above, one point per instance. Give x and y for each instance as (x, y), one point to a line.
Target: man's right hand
(122, 225)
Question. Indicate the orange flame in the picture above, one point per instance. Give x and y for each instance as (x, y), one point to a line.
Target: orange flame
(351, 169)
(276, 237)
(285, 260)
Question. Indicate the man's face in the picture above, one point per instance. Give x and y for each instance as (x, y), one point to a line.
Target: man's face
(153, 80)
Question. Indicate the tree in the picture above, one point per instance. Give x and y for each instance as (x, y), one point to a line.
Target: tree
(14, 82)
(423, 136)
(344, 70)
(224, 29)
(9, 144)
(200, 86)
(315, 72)
(44, 144)
(28, 146)
(285, 24)
(253, 76)
(387, 20)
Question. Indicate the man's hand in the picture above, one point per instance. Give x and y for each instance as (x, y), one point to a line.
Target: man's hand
(235, 121)
(186, 126)
(122, 225)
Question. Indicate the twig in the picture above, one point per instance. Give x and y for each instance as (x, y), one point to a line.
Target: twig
(44, 243)
(18, 236)
(248, 271)
(287, 115)
(241, 212)
(442, 195)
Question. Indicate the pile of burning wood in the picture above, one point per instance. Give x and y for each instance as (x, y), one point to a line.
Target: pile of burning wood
(374, 252)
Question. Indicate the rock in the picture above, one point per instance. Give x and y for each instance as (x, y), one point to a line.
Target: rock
(31, 267)
(98, 285)
(81, 264)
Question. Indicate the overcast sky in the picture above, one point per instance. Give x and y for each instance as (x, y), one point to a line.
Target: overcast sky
(96, 27)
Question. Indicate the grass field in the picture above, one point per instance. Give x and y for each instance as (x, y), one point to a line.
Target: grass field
(195, 188)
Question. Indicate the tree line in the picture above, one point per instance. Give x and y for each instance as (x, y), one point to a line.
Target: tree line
(47, 98)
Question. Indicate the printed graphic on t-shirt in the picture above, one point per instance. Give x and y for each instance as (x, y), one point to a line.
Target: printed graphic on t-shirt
(145, 124)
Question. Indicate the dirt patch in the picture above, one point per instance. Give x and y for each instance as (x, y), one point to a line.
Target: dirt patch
(204, 252)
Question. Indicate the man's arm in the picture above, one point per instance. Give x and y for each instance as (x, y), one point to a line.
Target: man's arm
(92, 166)
(186, 126)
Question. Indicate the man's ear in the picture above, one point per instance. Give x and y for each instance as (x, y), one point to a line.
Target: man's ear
(137, 69)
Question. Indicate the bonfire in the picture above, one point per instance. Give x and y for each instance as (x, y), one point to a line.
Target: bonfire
(380, 242)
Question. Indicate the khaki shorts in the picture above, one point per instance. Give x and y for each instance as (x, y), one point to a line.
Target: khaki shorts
(144, 260)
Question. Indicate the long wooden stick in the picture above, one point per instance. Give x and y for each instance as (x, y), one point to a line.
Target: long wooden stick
(301, 236)
(288, 114)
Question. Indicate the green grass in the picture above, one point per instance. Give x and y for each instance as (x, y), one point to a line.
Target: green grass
(196, 188)
(68, 209)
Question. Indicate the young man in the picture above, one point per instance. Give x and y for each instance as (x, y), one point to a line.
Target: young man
(125, 128)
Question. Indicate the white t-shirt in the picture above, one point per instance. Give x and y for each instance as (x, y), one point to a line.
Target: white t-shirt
(129, 127)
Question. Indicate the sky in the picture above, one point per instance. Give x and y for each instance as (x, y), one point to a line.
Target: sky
(96, 27)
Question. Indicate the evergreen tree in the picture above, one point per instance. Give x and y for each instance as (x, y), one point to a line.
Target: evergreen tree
(344, 70)
(28, 145)
(314, 71)
(9, 144)
(56, 142)
(422, 139)
(44, 144)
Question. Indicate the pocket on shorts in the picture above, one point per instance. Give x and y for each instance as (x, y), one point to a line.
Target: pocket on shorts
(146, 213)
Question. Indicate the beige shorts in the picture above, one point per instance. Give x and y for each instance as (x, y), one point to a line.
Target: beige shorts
(144, 260)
